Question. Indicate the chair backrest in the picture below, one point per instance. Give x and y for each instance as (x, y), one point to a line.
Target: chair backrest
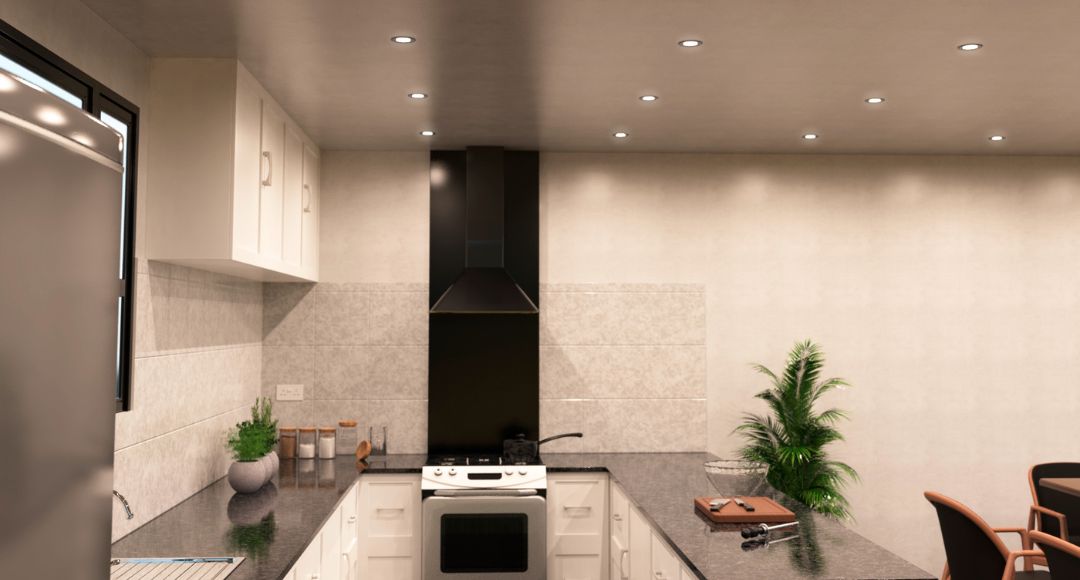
(1061, 503)
(1062, 557)
(973, 550)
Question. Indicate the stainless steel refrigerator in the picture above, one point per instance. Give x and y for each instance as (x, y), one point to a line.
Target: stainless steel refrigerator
(60, 252)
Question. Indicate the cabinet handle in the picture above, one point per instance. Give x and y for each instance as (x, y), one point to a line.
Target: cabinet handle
(348, 566)
(269, 179)
(352, 520)
(389, 509)
(577, 507)
(616, 517)
(623, 572)
(660, 575)
(307, 198)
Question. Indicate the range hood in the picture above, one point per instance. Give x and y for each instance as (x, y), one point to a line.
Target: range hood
(492, 220)
(483, 326)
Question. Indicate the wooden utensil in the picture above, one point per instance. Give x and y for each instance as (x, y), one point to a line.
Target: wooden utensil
(363, 450)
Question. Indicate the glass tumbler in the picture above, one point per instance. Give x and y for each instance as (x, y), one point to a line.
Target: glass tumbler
(377, 436)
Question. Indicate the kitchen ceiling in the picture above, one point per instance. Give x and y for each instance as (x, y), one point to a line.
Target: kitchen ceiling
(567, 74)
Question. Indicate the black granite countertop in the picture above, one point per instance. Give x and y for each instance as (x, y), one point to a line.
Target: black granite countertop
(272, 527)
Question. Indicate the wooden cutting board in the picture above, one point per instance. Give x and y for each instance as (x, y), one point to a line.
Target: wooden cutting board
(766, 511)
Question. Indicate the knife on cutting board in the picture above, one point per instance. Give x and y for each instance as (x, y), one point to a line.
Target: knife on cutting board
(739, 502)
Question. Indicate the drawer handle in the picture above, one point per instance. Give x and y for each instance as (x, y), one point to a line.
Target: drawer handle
(389, 509)
(577, 508)
(269, 179)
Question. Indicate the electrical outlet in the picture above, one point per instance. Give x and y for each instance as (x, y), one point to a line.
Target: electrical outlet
(290, 392)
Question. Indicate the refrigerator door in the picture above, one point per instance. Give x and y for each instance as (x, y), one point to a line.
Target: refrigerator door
(60, 215)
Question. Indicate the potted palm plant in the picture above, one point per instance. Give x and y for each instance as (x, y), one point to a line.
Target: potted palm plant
(792, 439)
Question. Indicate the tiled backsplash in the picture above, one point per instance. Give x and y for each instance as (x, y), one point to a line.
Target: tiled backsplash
(198, 358)
(360, 350)
(625, 363)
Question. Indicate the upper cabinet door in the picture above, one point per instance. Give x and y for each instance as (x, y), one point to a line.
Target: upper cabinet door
(310, 213)
(247, 167)
(294, 197)
(272, 198)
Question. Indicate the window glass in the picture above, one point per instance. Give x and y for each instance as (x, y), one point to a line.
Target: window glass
(26, 74)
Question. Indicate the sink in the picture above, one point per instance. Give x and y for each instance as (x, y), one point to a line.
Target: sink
(173, 568)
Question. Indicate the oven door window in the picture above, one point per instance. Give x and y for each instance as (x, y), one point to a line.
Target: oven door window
(484, 543)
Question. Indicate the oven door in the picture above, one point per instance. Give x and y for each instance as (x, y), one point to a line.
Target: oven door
(484, 537)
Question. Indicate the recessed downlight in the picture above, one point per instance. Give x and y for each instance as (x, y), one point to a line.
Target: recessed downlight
(620, 134)
(648, 98)
(402, 39)
(970, 46)
(691, 43)
(875, 100)
(997, 138)
(418, 96)
(427, 133)
(810, 136)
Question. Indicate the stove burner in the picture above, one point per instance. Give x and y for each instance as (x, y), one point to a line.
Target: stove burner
(458, 460)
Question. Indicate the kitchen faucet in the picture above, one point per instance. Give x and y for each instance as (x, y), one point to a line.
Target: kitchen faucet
(127, 508)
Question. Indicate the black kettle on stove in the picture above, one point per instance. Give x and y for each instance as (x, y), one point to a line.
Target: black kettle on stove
(520, 450)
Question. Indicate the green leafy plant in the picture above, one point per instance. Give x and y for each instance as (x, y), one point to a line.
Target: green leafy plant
(262, 416)
(792, 439)
(250, 440)
(247, 441)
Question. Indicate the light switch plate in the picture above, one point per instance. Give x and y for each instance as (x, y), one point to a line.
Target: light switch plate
(290, 392)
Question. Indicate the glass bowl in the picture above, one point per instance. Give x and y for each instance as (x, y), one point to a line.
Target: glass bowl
(737, 477)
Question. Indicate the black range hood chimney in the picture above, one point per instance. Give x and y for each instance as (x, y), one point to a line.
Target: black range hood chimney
(483, 326)
(486, 283)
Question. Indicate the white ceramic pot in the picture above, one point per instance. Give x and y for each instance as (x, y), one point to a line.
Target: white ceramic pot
(247, 476)
(275, 463)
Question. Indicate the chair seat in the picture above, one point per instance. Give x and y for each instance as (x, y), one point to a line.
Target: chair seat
(1036, 575)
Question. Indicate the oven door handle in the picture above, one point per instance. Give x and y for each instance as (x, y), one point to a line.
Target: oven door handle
(485, 492)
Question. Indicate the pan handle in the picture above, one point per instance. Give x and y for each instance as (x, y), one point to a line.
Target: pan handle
(554, 437)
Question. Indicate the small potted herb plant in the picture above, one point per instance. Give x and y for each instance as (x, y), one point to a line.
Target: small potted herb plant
(248, 444)
(262, 415)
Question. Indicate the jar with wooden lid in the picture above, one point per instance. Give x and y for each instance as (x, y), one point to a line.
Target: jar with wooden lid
(327, 442)
(305, 447)
(346, 437)
(287, 443)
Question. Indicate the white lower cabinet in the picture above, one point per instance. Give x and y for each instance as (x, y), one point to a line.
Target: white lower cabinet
(685, 574)
(309, 566)
(330, 540)
(577, 526)
(665, 566)
(349, 534)
(619, 549)
(388, 516)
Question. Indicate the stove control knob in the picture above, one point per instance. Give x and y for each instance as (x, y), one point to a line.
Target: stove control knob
(438, 471)
(453, 471)
(509, 472)
(522, 472)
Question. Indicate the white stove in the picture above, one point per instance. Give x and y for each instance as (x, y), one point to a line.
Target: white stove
(484, 519)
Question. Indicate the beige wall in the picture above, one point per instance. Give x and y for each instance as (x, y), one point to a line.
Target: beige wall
(939, 286)
(198, 336)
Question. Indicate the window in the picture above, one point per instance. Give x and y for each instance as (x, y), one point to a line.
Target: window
(29, 60)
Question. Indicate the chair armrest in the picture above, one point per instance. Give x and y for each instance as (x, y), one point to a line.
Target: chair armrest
(1033, 520)
(1010, 564)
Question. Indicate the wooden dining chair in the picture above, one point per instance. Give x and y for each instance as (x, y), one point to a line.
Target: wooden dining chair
(973, 550)
(1062, 557)
(1050, 512)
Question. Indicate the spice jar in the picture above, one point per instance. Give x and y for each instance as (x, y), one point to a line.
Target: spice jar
(327, 442)
(305, 448)
(287, 443)
(346, 437)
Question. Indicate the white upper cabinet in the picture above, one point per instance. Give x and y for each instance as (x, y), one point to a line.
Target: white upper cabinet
(233, 181)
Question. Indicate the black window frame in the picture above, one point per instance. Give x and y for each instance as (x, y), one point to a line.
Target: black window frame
(97, 98)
